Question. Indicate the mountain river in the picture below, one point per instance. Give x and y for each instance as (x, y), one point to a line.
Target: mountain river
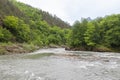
(59, 64)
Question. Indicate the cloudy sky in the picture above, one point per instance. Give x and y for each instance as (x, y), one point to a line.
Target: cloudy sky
(72, 10)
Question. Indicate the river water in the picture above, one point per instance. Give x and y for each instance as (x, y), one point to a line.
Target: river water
(58, 64)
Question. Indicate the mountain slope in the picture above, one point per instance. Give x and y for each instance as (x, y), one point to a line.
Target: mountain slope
(41, 15)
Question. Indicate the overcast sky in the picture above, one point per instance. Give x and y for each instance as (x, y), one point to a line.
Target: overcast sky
(72, 10)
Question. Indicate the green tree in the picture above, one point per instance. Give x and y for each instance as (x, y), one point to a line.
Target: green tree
(111, 27)
(79, 29)
(89, 36)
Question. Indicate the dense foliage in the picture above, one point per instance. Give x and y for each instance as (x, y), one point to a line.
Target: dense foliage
(97, 33)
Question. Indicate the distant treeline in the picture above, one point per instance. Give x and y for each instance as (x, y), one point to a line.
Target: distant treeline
(100, 34)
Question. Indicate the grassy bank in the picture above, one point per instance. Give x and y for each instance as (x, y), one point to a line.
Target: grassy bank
(15, 48)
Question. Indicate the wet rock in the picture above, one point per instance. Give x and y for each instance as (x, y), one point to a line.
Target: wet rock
(106, 60)
(67, 48)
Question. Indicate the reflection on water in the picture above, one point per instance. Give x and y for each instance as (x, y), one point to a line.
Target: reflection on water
(58, 64)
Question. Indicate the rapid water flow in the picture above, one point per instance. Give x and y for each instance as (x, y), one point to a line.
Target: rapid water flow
(62, 65)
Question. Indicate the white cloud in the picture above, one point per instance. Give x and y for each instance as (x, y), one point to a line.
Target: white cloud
(71, 10)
